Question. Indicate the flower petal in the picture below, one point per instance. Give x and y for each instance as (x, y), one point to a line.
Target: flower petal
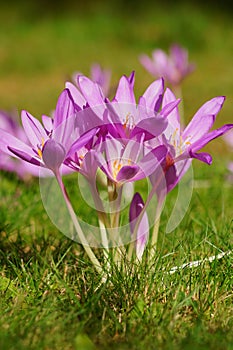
(211, 107)
(34, 130)
(65, 108)
(91, 91)
(136, 208)
(76, 94)
(153, 95)
(53, 155)
(209, 137)
(127, 172)
(125, 93)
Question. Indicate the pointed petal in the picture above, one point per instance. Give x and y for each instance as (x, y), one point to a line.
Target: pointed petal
(125, 93)
(65, 108)
(167, 109)
(211, 107)
(81, 142)
(25, 156)
(200, 143)
(8, 140)
(153, 95)
(173, 117)
(47, 122)
(91, 91)
(203, 157)
(34, 130)
(198, 132)
(76, 94)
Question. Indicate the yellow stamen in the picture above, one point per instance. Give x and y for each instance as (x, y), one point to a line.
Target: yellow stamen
(39, 153)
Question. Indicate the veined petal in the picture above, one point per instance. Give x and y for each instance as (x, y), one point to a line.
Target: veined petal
(153, 95)
(211, 107)
(209, 137)
(167, 109)
(65, 108)
(25, 156)
(91, 91)
(76, 94)
(173, 117)
(34, 130)
(125, 93)
(7, 140)
(48, 123)
(81, 142)
(198, 131)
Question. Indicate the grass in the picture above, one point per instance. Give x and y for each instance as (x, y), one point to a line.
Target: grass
(51, 297)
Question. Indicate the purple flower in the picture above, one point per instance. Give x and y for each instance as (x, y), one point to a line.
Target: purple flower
(98, 75)
(142, 229)
(128, 163)
(10, 123)
(51, 143)
(122, 117)
(184, 145)
(173, 67)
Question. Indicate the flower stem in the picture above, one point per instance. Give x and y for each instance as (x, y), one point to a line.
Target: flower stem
(78, 229)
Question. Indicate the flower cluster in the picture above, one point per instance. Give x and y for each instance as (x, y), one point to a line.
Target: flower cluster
(123, 139)
(117, 142)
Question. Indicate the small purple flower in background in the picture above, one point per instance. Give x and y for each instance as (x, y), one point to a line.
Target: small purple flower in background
(98, 75)
(173, 67)
(10, 123)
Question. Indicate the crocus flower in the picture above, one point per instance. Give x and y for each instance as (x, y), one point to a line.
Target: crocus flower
(10, 123)
(128, 163)
(122, 117)
(184, 145)
(142, 231)
(51, 143)
(173, 67)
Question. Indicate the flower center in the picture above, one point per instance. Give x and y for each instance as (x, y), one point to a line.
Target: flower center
(178, 143)
(128, 123)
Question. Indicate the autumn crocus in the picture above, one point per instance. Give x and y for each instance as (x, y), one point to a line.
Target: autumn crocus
(173, 67)
(123, 117)
(184, 145)
(48, 144)
(9, 123)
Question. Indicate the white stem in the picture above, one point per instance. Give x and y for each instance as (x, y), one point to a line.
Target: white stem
(78, 229)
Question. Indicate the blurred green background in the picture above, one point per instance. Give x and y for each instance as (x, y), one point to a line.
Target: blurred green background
(44, 43)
